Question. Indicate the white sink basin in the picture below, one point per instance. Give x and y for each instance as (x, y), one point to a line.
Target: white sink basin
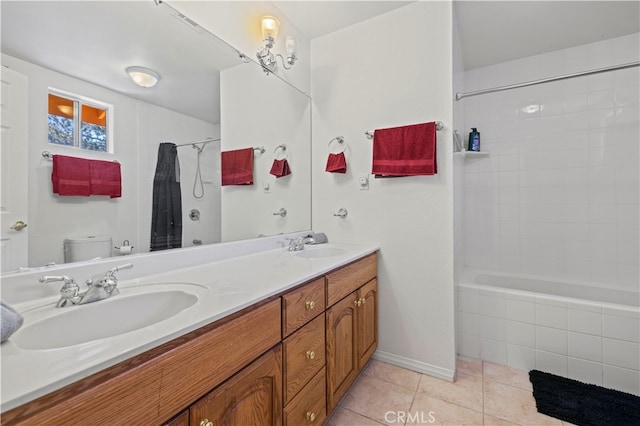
(106, 318)
(317, 252)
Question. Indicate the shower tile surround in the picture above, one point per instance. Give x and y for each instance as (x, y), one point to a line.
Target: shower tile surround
(558, 194)
(557, 197)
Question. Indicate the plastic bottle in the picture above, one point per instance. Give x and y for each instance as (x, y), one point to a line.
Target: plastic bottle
(474, 140)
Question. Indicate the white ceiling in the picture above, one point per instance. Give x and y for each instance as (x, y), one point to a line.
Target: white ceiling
(111, 35)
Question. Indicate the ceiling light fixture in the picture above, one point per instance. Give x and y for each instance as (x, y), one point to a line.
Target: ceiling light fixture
(143, 77)
(270, 26)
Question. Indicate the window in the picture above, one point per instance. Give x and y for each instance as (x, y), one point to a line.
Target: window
(79, 122)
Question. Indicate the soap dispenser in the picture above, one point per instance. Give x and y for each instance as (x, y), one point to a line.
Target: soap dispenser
(474, 140)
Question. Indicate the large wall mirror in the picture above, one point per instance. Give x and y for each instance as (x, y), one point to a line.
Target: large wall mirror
(207, 90)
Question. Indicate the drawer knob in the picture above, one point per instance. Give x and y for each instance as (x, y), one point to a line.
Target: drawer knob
(205, 422)
(311, 416)
(310, 304)
(362, 299)
(358, 302)
(311, 354)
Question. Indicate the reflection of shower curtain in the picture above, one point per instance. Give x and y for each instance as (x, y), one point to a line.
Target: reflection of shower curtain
(166, 216)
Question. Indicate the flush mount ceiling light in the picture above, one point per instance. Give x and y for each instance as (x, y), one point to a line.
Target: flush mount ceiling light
(270, 25)
(143, 77)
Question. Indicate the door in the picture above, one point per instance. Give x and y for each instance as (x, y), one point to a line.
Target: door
(251, 397)
(342, 356)
(367, 322)
(14, 239)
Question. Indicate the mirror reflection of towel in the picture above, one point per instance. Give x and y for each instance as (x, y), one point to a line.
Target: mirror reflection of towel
(405, 151)
(105, 178)
(71, 176)
(280, 168)
(237, 167)
(336, 163)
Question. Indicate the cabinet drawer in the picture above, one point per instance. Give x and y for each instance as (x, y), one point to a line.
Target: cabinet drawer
(309, 406)
(349, 278)
(304, 355)
(301, 305)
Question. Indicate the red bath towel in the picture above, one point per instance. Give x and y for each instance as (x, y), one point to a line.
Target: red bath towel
(105, 178)
(71, 176)
(405, 151)
(237, 167)
(280, 168)
(336, 163)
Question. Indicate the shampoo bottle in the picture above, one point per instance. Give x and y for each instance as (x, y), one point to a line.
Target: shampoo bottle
(474, 140)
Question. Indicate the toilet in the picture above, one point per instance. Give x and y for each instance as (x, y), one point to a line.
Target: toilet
(89, 247)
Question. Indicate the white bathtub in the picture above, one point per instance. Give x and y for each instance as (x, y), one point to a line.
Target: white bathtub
(584, 332)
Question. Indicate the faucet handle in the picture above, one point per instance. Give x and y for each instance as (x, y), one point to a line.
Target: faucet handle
(68, 292)
(115, 269)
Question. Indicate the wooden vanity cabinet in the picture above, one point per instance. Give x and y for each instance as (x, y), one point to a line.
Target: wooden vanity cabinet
(251, 397)
(287, 360)
(351, 325)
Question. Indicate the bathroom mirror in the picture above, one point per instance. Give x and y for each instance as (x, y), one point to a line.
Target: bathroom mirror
(207, 90)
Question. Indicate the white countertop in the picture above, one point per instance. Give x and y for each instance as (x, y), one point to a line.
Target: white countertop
(223, 287)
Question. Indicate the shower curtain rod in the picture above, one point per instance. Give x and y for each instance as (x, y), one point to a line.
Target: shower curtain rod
(207, 140)
(547, 80)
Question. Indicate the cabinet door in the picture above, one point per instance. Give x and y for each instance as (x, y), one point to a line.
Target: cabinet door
(251, 397)
(367, 322)
(342, 356)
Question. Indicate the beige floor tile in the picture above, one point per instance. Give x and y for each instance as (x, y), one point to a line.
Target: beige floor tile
(373, 398)
(494, 421)
(465, 391)
(392, 374)
(469, 366)
(506, 375)
(429, 410)
(513, 404)
(344, 417)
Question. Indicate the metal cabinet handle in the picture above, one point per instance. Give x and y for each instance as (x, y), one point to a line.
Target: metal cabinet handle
(282, 212)
(311, 354)
(205, 422)
(311, 416)
(358, 302)
(342, 213)
(310, 304)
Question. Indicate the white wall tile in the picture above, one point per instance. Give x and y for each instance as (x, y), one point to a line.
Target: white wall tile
(551, 340)
(585, 321)
(551, 316)
(521, 334)
(621, 379)
(585, 346)
(622, 328)
(493, 351)
(493, 328)
(621, 353)
(551, 363)
(521, 358)
(585, 371)
(468, 345)
(523, 311)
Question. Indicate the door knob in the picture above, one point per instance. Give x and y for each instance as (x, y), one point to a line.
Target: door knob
(19, 225)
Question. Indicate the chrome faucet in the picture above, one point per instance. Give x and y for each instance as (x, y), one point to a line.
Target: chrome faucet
(102, 289)
(297, 244)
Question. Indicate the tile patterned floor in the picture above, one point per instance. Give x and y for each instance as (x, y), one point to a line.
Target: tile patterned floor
(483, 394)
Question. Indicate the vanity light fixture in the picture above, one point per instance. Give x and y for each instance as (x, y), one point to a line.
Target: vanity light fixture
(143, 77)
(267, 59)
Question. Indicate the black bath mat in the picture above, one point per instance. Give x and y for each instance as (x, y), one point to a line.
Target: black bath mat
(583, 404)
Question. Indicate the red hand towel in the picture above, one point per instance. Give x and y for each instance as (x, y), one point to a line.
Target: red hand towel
(280, 168)
(336, 163)
(405, 151)
(105, 178)
(237, 167)
(71, 176)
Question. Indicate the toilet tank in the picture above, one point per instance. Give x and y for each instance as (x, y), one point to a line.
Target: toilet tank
(87, 247)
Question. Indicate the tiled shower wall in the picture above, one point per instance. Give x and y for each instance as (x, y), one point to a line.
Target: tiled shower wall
(558, 194)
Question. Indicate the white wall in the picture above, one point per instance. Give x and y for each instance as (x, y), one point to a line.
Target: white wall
(53, 218)
(558, 195)
(238, 23)
(388, 71)
(263, 111)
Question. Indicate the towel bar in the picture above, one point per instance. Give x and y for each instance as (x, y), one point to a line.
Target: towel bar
(369, 133)
(49, 156)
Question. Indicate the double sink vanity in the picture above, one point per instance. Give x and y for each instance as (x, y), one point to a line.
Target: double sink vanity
(262, 336)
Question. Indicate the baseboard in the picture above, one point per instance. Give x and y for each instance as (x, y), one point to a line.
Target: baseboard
(418, 366)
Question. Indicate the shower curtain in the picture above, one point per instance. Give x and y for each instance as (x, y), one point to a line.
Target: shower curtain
(166, 216)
